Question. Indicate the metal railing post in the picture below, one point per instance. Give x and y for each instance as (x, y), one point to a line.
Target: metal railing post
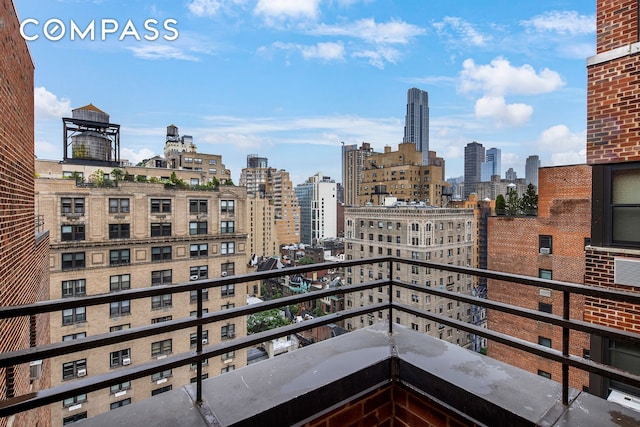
(390, 297)
(199, 351)
(566, 296)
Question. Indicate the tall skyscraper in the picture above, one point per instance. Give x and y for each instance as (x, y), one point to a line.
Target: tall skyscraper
(531, 170)
(416, 127)
(491, 166)
(474, 155)
(353, 164)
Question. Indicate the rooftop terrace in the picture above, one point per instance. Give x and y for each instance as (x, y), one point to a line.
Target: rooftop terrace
(385, 374)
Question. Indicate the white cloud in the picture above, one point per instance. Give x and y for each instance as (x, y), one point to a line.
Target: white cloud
(204, 7)
(48, 106)
(379, 56)
(565, 147)
(136, 157)
(501, 78)
(283, 9)
(562, 22)
(392, 32)
(463, 29)
(161, 51)
(326, 51)
(496, 108)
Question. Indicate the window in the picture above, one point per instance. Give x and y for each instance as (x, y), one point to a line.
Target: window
(227, 206)
(198, 250)
(228, 290)
(118, 205)
(160, 253)
(161, 375)
(120, 387)
(74, 315)
(73, 288)
(544, 374)
(228, 331)
(161, 277)
(161, 347)
(197, 206)
(77, 368)
(159, 229)
(227, 306)
(199, 272)
(120, 357)
(197, 227)
(625, 356)
(119, 256)
(195, 313)
(74, 418)
(161, 301)
(120, 403)
(81, 398)
(545, 308)
(545, 244)
(119, 308)
(72, 337)
(546, 342)
(161, 390)
(119, 231)
(193, 338)
(625, 206)
(73, 232)
(73, 260)
(161, 319)
(228, 368)
(72, 205)
(160, 205)
(193, 296)
(213, 162)
(545, 274)
(119, 282)
(227, 269)
(227, 227)
(227, 248)
(120, 327)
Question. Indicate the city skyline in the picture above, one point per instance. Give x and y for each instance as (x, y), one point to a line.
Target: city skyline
(292, 80)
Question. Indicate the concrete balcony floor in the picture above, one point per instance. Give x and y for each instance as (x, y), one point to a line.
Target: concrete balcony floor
(368, 377)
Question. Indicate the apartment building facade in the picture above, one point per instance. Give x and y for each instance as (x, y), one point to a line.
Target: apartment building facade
(550, 245)
(353, 165)
(136, 235)
(437, 235)
(318, 209)
(401, 174)
(613, 151)
(274, 184)
(25, 243)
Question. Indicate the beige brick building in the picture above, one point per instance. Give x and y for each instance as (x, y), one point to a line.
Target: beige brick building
(135, 235)
(401, 174)
(437, 235)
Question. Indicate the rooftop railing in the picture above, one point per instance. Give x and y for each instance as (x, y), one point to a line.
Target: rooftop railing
(97, 382)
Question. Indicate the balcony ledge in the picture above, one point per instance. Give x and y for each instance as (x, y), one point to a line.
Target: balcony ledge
(298, 387)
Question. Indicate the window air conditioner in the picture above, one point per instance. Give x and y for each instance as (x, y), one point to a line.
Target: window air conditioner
(81, 372)
(545, 251)
(126, 361)
(223, 274)
(194, 277)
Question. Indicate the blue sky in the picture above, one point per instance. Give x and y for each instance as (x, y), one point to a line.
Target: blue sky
(292, 79)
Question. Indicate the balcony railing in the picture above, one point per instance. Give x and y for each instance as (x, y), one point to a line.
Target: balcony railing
(93, 383)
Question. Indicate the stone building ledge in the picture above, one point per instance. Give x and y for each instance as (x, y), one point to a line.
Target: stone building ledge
(308, 384)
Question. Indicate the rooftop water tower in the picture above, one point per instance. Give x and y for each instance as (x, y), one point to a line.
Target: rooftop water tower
(91, 137)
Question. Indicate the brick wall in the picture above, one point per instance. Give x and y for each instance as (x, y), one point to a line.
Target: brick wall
(23, 258)
(564, 212)
(617, 23)
(612, 89)
(393, 405)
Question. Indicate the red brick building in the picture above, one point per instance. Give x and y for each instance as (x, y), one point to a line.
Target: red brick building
(24, 251)
(551, 246)
(613, 151)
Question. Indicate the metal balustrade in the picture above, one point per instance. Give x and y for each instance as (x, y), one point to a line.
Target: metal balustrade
(97, 382)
